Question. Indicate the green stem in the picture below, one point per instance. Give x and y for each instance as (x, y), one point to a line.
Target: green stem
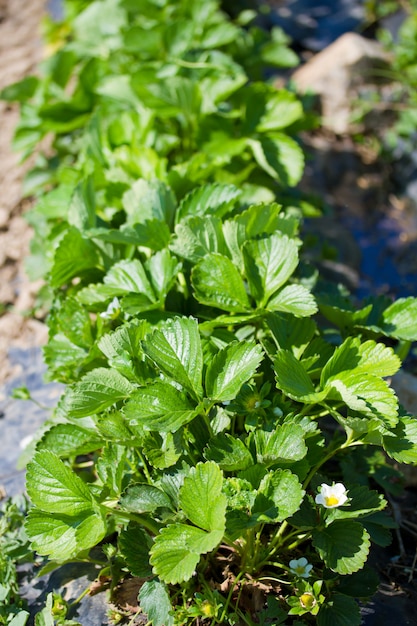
(276, 541)
(145, 467)
(229, 597)
(150, 525)
(195, 65)
(402, 349)
(183, 284)
(80, 597)
(347, 444)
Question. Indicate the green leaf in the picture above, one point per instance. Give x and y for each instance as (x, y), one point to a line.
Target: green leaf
(70, 440)
(211, 199)
(378, 359)
(279, 496)
(230, 368)
(293, 380)
(114, 428)
(276, 51)
(82, 208)
(20, 619)
(217, 282)
(400, 319)
(258, 219)
(73, 320)
(284, 444)
(201, 497)
(163, 270)
(45, 617)
(134, 544)
(366, 394)
(74, 256)
(198, 236)
(20, 91)
(177, 551)
(368, 357)
(294, 299)
(269, 262)
(160, 407)
(52, 534)
(280, 157)
(144, 498)
(176, 349)
(62, 537)
(401, 443)
(361, 584)
(306, 516)
(97, 26)
(55, 488)
(163, 449)
(149, 200)
(152, 234)
(230, 453)
(126, 277)
(62, 355)
(112, 464)
(339, 610)
(343, 546)
(175, 95)
(283, 108)
(124, 352)
(220, 34)
(155, 602)
(95, 392)
(291, 333)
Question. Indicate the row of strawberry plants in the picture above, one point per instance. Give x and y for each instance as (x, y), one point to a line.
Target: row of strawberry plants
(231, 408)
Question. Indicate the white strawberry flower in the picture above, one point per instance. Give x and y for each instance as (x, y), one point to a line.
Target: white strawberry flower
(301, 567)
(112, 310)
(332, 496)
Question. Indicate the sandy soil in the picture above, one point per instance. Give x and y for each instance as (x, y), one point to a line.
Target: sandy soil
(20, 51)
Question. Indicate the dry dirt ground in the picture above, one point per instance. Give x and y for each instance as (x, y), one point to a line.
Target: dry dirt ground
(20, 51)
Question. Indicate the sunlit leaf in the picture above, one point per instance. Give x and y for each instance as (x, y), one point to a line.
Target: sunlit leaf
(176, 349)
(160, 407)
(230, 368)
(217, 283)
(201, 497)
(178, 549)
(269, 262)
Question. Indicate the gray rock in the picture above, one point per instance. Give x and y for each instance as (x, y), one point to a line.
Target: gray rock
(336, 72)
(70, 581)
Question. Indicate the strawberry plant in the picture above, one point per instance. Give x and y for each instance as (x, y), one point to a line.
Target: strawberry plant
(227, 416)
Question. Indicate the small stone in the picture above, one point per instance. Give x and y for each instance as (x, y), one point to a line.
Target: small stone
(336, 72)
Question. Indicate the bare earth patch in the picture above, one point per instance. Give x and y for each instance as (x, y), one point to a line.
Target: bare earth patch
(20, 52)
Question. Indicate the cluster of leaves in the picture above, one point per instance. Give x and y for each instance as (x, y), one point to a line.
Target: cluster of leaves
(397, 137)
(404, 52)
(14, 549)
(213, 381)
(171, 91)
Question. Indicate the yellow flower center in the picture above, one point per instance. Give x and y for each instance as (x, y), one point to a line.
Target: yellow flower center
(331, 500)
(208, 609)
(307, 600)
